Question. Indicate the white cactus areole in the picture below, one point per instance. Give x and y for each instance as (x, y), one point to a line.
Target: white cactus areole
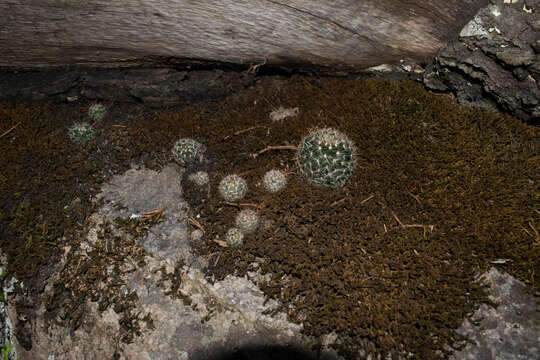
(96, 112)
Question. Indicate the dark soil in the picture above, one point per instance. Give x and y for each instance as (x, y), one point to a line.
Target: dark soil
(388, 261)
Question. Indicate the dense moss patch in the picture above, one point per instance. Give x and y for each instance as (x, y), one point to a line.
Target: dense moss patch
(387, 262)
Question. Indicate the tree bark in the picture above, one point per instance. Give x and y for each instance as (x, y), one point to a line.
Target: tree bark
(329, 33)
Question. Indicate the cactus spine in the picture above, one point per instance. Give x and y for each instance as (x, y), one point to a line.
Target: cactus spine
(187, 151)
(233, 188)
(326, 157)
(274, 180)
(81, 133)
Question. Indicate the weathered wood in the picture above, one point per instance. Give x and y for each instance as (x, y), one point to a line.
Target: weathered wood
(336, 33)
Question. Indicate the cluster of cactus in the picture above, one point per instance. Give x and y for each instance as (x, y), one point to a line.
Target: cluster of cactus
(274, 180)
(96, 112)
(81, 133)
(247, 221)
(200, 178)
(233, 188)
(326, 157)
(187, 151)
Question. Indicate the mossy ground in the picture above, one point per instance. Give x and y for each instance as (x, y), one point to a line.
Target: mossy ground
(387, 262)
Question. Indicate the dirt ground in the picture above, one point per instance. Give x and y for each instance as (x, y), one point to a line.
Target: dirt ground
(388, 262)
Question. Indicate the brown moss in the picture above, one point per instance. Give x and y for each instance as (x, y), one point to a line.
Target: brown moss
(348, 260)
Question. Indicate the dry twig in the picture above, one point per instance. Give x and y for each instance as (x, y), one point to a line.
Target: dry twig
(415, 197)
(10, 129)
(254, 68)
(195, 223)
(153, 215)
(537, 241)
(367, 199)
(345, 198)
(242, 204)
(276, 147)
(430, 227)
(338, 201)
(242, 131)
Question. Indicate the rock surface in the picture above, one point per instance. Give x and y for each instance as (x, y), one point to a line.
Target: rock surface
(511, 331)
(495, 62)
(151, 86)
(195, 319)
(198, 320)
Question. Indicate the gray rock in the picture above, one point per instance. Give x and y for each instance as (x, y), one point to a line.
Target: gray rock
(153, 87)
(474, 28)
(515, 56)
(536, 46)
(142, 190)
(196, 322)
(511, 331)
(520, 73)
(493, 63)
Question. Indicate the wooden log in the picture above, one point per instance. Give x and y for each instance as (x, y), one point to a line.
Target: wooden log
(329, 33)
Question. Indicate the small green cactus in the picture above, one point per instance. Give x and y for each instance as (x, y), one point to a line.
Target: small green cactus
(97, 112)
(247, 221)
(233, 188)
(274, 180)
(187, 151)
(326, 157)
(200, 178)
(81, 133)
(234, 237)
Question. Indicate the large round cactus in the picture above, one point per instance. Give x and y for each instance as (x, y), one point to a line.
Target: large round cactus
(326, 157)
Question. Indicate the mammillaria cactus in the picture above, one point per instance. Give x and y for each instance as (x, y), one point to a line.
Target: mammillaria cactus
(97, 112)
(247, 221)
(81, 133)
(326, 157)
(274, 180)
(187, 151)
(233, 188)
(200, 178)
(234, 237)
